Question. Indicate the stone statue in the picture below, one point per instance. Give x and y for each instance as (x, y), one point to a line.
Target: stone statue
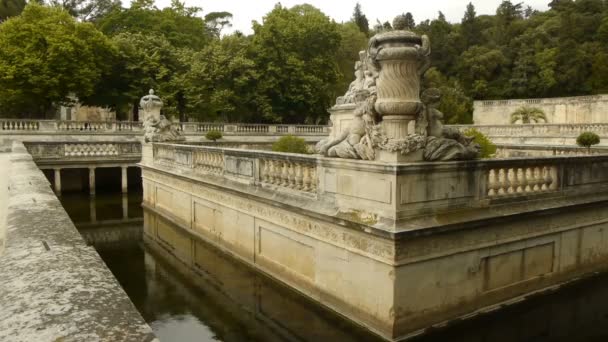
(392, 67)
(443, 143)
(358, 90)
(156, 127)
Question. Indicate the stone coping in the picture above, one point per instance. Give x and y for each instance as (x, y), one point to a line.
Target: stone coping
(54, 287)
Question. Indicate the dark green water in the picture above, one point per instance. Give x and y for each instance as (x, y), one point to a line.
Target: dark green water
(226, 301)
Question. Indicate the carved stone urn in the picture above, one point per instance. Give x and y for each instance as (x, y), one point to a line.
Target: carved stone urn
(151, 106)
(401, 57)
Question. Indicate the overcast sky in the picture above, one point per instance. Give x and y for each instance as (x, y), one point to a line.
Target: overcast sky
(245, 11)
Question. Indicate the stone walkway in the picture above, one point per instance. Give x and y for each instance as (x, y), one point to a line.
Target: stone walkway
(53, 287)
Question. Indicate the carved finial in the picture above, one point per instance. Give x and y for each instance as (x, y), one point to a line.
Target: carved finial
(400, 23)
(151, 92)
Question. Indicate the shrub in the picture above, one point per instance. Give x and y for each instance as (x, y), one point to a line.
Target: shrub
(213, 135)
(291, 144)
(587, 139)
(487, 147)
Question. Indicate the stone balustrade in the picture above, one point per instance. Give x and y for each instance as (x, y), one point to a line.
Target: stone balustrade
(296, 175)
(40, 126)
(498, 178)
(515, 181)
(280, 171)
(516, 150)
(53, 151)
(537, 129)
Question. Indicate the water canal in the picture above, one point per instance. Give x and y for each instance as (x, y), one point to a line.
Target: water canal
(224, 300)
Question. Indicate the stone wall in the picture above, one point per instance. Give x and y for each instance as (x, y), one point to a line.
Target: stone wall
(395, 248)
(54, 287)
(5, 165)
(571, 110)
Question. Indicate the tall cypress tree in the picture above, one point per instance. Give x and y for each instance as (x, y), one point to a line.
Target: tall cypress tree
(360, 19)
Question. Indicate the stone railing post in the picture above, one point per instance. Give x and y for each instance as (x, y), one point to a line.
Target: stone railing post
(291, 129)
(49, 125)
(272, 129)
(230, 128)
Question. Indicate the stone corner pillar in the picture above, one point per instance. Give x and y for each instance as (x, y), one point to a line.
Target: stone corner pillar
(147, 153)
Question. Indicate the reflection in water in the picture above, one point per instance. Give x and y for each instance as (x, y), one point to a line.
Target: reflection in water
(226, 301)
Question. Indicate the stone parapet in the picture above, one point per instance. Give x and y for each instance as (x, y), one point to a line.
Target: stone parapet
(578, 109)
(130, 127)
(396, 248)
(54, 287)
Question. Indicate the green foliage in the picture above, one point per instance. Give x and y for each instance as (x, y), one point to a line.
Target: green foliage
(177, 24)
(351, 42)
(213, 135)
(86, 10)
(46, 55)
(360, 19)
(487, 147)
(456, 107)
(221, 82)
(291, 144)
(587, 139)
(216, 21)
(143, 61)
(10, 8)
(295, 50)
(527, 115)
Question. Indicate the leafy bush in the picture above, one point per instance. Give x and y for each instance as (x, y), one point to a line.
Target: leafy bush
(587, 139)
(487, 147)
(291, 144)
(213, 135)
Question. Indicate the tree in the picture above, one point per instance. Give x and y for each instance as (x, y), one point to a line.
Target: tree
(587, 139)
(178, 24)
(143, 61)
(46, 55)
(360, 19)
(216, 21)
(10, 8)
(456, 107)
(87, 10)
(351, 43)
(295, 52)
(221, 82)
(528, 115)
(469, 26)
(409, 19)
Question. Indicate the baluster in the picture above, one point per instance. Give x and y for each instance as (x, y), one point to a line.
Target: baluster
(502, 182)
(284, 180)
(292, 175)
(306, 179)
(511, 181)
(264, 175)
(537, 179)
(548, 179)
(521, 179)
(491, 183)
(299, 177)
(313, 179)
